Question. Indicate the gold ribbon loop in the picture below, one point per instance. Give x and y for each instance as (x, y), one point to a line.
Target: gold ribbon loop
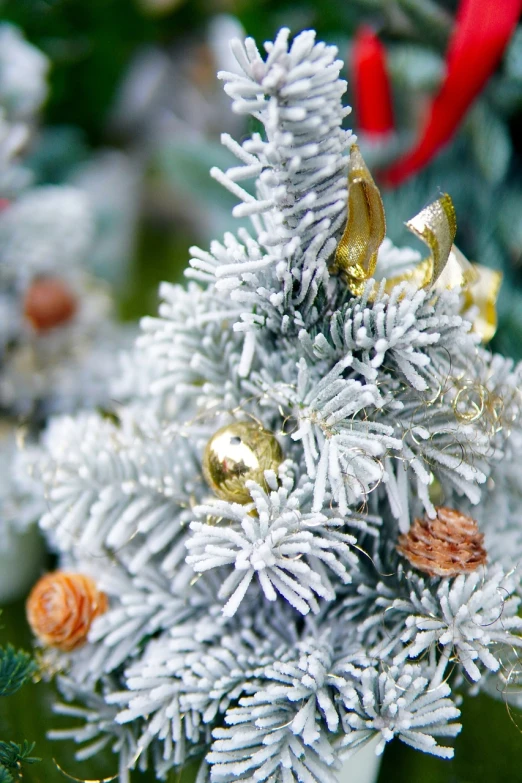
(356, 255)
(479, 290)
(479, 286)
(482, 293)
(457, 271)
(436, 225)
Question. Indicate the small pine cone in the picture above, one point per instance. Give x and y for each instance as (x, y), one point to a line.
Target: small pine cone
(448, 545)
(61, 608)
(49, 303)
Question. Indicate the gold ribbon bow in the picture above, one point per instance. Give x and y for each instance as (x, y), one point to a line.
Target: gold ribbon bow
(436, 225)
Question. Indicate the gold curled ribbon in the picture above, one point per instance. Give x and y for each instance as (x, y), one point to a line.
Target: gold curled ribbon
(356, 255)
(482, 293)
(479, 286)
(419, 275)
(436, 226)
(457, 271)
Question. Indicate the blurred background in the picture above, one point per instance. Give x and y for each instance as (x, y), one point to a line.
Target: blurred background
(132, 115)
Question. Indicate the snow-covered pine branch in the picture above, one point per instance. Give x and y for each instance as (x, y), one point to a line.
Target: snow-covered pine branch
(300, 172)
(288, 548)
(402, 702)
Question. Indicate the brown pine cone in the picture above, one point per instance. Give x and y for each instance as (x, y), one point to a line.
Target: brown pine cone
(448, 545)
(49, 303)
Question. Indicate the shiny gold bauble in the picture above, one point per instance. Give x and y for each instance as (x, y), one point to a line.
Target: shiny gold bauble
(238, 453)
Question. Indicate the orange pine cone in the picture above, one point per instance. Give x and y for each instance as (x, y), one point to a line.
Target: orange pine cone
(61, 608)
(448, 545)
(49, 303)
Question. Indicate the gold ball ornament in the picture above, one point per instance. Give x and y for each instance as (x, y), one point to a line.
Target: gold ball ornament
(238, 453)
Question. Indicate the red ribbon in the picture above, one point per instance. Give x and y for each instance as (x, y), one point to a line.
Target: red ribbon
(482, 31)
(372, 92)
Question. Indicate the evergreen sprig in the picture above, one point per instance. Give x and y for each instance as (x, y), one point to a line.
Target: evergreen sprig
(16, 669)
(12, 755)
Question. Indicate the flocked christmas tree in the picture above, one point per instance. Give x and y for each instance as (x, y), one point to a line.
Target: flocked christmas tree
(300, 530)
